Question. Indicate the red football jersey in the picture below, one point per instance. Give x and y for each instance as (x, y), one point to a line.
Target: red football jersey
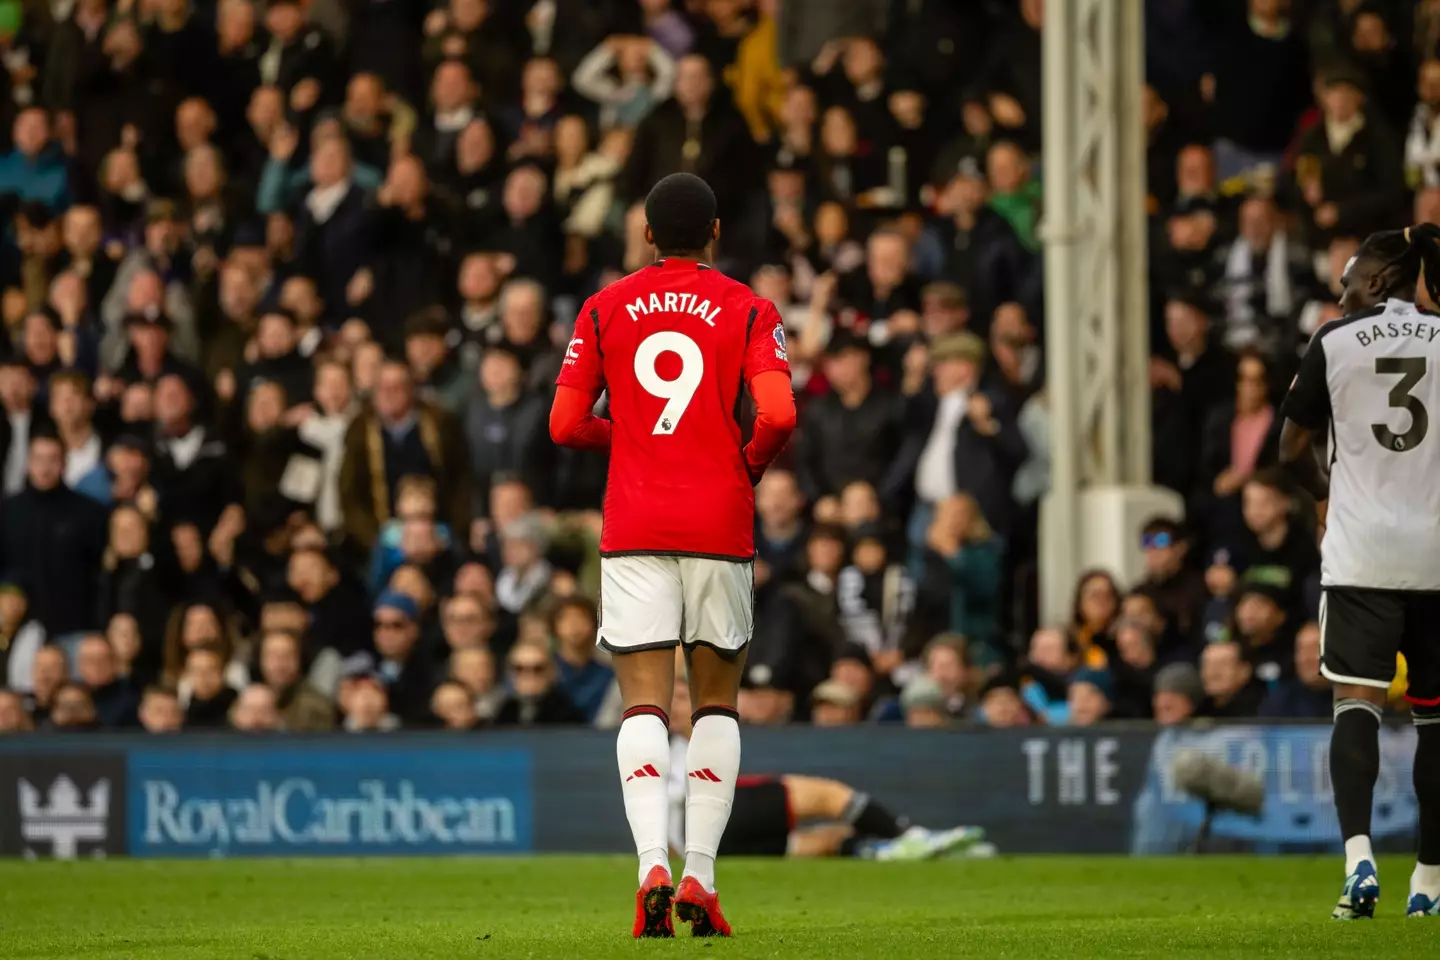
(674, 344)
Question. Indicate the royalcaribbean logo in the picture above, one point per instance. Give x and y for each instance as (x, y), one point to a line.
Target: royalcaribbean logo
(297, 812)
(294, 800)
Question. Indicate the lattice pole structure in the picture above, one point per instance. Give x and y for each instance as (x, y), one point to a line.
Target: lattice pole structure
(1097, 343)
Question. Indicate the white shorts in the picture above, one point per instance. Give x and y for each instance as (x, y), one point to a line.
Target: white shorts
(649, 603)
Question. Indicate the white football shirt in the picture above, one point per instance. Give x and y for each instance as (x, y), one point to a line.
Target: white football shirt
(1374, 377)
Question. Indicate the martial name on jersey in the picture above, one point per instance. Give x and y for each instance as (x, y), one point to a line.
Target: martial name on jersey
(1372, 376)
(671, 302)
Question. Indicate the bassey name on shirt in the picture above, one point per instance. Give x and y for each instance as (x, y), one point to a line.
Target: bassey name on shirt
(673, 303)
(1391, 329)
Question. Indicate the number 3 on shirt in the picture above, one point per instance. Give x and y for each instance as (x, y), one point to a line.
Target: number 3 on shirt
(676, 393)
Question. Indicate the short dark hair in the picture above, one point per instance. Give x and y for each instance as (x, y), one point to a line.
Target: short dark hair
(431, 321)
(1272, 478)
(680, 211)
(582, 604)
(287, 315)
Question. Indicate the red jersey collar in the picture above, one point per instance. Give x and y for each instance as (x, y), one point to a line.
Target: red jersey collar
(675, 263)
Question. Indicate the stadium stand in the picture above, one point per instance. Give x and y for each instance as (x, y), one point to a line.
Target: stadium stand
(286, 287)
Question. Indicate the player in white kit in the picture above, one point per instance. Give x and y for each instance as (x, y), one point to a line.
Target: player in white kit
(1373, 379)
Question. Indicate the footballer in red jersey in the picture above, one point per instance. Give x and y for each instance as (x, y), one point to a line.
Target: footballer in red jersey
(675, 345)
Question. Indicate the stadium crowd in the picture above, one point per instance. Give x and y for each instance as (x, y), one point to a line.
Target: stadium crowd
(286, 286)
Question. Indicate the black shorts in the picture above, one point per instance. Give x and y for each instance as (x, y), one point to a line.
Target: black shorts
(1362, 629)
(760, 820)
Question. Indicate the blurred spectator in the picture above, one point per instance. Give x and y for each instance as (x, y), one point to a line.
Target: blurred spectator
(1191, 375)
(398, 436)
(324, 428)
(1264, 52)
(1272, 546)
(467, 623)
(1175, 588)
(835, 704)
(1133, 671)
(1422, 147)
(160, 711)
(958, 576)
(49, 671)
(1096, 605)
(52, 540)
(210, 697)
(1231, 689)
(13, 718)
(534, 698)
(697, 132)
(961, 438)
(73, 710)
(1000, 705)
(779, 523)
(366, 705)
(1090, 697)
(1239, 438)
(947, 665)
(506, 429)
(474, 669)
(628, 77)
(589, 684)
(1049, 664)
(1179, 694)
(923, 703)
(1306, 694)
(876, 598)
(972, 246)
(35, 169)
(1259, 627)
(116, 702)
(21, 637)
(1264, 274)
(1349, 170)
(298, 705)
(852, 431)
(525, 571)
(453, 706)
(400, 665)
(1015, 369)
(332, 605)
(254, 711)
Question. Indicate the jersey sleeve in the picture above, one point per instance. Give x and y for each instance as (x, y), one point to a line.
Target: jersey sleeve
(1308, 402)
(766, 348)
(582, 369)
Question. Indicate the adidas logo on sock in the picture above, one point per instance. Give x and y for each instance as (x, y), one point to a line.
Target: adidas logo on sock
(646, 771)
(705, 774)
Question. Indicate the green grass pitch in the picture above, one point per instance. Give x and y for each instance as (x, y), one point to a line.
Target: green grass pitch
(578, 908)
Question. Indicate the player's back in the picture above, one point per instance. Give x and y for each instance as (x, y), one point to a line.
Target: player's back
(1382, 369)
(673, 341)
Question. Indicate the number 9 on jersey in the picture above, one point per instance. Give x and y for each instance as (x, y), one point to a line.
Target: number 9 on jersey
(676, 393)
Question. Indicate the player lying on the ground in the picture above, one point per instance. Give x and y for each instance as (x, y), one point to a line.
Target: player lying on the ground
(1367, 377)
(838, 819)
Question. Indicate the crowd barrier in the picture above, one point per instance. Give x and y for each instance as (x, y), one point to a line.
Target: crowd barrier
(1100, 790)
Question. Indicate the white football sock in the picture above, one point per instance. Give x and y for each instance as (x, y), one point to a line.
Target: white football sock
(1357, 849)
(711, 765)
(642, 751)
(1426, 880)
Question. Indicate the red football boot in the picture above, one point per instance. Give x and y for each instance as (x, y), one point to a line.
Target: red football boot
(652, 905)
(701, 910)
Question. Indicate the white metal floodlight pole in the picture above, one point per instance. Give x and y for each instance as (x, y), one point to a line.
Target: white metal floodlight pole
(1096, 300)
